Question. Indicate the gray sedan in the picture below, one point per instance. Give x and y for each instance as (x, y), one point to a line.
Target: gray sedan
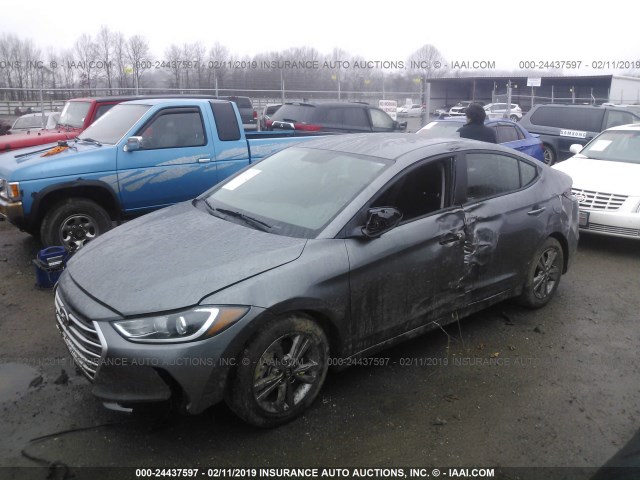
(320, 254)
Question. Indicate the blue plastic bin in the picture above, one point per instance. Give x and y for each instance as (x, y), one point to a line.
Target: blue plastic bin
(49, 265)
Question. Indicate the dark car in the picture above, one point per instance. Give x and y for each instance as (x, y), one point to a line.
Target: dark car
(508, 134)
(344, 117)
(317, 255)
(561, 126)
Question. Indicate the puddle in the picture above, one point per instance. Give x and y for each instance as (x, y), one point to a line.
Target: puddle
(14, 380)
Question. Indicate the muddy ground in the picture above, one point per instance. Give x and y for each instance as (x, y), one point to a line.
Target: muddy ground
(562, 389)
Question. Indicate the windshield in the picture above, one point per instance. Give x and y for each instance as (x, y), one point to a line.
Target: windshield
(297, 191)
(112, 126)
(615, 146)
(441, 129)
(74, 113)
(30, 121)
(294, 113)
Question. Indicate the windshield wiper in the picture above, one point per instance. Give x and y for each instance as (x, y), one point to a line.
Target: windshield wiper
(89, 140)
(258, 224)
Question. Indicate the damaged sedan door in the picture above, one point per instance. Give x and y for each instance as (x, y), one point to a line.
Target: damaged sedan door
(409, 275)
(506, 216)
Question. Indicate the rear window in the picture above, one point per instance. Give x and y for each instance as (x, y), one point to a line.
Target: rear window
(585, 119)
(295, 113)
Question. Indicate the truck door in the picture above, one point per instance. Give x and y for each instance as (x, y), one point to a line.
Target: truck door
(175, 163)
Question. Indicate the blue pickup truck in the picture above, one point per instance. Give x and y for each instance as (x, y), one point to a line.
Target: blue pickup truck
(140, 156)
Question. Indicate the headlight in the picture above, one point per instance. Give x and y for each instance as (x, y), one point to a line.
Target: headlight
(10, 190)
(201, 322)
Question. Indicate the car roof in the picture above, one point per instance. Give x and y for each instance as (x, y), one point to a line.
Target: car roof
(391, 146)
(464, 120)
(630, 127)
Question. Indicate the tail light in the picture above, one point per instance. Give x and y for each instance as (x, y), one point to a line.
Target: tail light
(268, 123)
(307, 127)
(255, 114)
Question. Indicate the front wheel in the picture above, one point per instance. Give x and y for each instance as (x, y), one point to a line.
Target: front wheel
(280, 372)
(514, 118)
(544, 275)
(74, 222)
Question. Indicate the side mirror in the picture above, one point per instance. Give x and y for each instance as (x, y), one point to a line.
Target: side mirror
(133, 144)
(380, 220)
(575, 148)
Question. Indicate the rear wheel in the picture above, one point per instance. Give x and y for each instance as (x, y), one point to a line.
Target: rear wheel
(514, 118)
(544, 275)
(549, 155)
(74, 222)
(280, 372)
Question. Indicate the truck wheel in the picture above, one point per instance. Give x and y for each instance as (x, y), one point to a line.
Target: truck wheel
(74, 222)
(543, 275)
(280, 372)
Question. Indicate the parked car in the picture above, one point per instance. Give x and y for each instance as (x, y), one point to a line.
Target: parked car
(460, 108)
(498, 110)
(560, 126)
(247, 113)
(141, 156)
(414, 110)
(343, 117)
(267, 112)
(605, 181)
(443, 111)
(33, 121)
(76, 116)
(508, 134)
(321, 253)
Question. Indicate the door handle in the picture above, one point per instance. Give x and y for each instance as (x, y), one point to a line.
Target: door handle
(536, 211)
(451, 238)
(204, 160)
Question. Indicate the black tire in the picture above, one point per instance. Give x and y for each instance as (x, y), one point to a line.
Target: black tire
(544, 275)
(74, 222)
(549, 154)
(268, 389)
(514, 118)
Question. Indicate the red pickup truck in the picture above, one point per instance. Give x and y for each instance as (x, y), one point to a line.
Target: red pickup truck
(76, 115)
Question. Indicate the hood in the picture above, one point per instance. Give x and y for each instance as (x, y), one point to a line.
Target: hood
(80, 158)
(36, 137)
(173, 258)
(620, 178)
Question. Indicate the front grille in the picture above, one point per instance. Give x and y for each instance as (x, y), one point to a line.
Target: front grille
(598, 200)
(628, 232)
(81, 338)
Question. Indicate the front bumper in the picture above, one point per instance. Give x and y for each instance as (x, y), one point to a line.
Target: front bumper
(615, 224)
(11, 211)
(127, 373)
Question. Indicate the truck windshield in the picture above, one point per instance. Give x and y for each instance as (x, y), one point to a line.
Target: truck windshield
(114, 124)
(297, 191)
(74, 113)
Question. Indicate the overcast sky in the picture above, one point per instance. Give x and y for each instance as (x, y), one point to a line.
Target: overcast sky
(462, 30)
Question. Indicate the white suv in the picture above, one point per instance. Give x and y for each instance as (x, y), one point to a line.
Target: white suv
(497, 110)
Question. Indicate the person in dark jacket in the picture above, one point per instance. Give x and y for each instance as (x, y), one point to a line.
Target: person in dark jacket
(475, 128)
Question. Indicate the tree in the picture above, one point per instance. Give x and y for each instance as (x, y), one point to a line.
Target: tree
(137, 50)
(428, 61)
(86, 52)
(105, 53)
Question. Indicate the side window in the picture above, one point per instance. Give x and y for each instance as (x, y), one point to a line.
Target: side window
(419, 191)
(491, 174)
(101, 110)
(506, 133)
(226, 121)
(527, 173)
(174, 128)
(615, 118)
(379, 119)
(356, 117)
